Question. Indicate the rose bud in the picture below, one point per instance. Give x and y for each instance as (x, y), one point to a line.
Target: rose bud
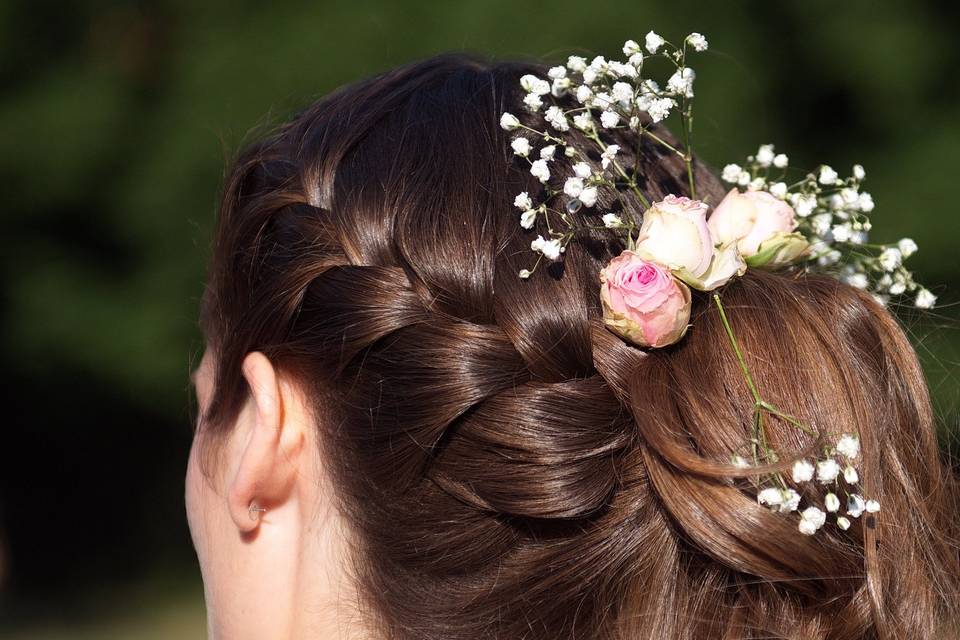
(761, 224)
(642, 302)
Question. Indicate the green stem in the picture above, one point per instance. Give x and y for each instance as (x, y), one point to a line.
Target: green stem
(736, 349)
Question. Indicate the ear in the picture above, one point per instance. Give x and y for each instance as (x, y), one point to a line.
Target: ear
(270, 458)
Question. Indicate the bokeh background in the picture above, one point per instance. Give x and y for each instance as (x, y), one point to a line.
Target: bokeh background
(117, 119)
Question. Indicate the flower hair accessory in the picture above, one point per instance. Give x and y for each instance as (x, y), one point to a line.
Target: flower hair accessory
(816, 221)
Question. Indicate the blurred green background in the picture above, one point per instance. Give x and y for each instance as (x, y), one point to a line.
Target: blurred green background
(116, 120)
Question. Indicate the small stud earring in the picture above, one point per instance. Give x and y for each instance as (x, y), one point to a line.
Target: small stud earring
(255, 511)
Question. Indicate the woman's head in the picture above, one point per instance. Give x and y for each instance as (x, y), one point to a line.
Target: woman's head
(475, 455)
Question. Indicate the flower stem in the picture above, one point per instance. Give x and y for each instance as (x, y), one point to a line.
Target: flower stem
(736, 349)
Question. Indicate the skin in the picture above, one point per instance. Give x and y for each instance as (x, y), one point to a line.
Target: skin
(284, 574)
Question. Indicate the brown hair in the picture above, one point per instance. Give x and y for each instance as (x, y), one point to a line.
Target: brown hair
(509, 468)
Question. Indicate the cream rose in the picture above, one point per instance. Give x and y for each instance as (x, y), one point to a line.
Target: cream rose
(674, 233)
(761, 225)
(642, 302)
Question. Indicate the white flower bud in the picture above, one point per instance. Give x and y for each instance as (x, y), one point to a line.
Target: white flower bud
(780, 161)
(509, 121)
(528, 218)
(925, 299)
(843, 523)
(872, 506)
(524, 273)
(907, 247)
(653, 42)
(613, 221)
(831, 502)
(630, 47)
(855, 505)
(850, 475)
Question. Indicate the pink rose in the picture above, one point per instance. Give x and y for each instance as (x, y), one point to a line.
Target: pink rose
(674, 233)
(642, 302)
(750, 219)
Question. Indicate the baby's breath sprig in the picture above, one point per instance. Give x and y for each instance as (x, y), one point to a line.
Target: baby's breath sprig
(834, 215)
(612, 95)
(836, 462)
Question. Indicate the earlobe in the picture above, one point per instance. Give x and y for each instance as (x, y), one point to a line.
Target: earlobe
(267, 467)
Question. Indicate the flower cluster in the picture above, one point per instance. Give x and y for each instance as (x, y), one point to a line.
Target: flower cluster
(834, 216)
(827, 472)
(821, 221)
(603, 96)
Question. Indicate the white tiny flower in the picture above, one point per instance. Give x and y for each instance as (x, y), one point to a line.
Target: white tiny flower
(569, 151)
(765, 155)
(552, 249)
(613, 221)
(681, 82)
(925, 299)
(858, 172)
(757, 184)
(554, 115)
(872, 506)
(802, 471)
(779, 189)
(630, 47)
(858, 237)
(850, 475)
(697, 41)
(583, 93)
(634, 122)
(790, 501)
(660, 108)
(898, 287)
(811, 519)
(827, 175)
(588, 196)
(653, 42)
(582, 170)
(573, 186)
(559, 87)
(780, 161)
(831, 257)
(509, 121)
(831, 502)
(533, 101)
(521, 147)
(622, 92)
(744, 178)
(540, 170)
(527, 218)
(609, 119)
(602, 100)
(858, 280)
(807, 527)
(548, 152)
(535, 85)
(583, 121)
(855, 505)
(890, 258)
(827, 471)
(636, 59)
(837, 203)
(841, 232)
(524, 273)
(843, 523)
(731, 173)
(865, 203)
(771, 496)
(608, 155)
(537, 243)
(576, 63)
(907, 247)
(589, 75)
(849, 196)
(849, 446)
(557, 72)
(806, 205)
(523, 201)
